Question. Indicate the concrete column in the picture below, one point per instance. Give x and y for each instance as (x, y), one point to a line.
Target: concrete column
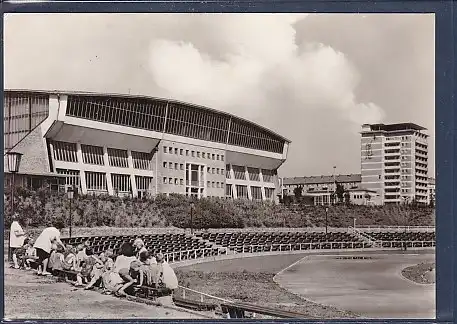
(82, 173)
(261, 184)
(62, 108)
(109, 184)
(248, 182)
(132, 174)
(232, 176)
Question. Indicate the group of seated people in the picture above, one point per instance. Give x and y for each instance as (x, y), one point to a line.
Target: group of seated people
(133, 267)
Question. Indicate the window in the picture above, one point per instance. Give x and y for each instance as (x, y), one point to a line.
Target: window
(170, 150)
(208, 184)
(170, 180)
(198, 154)
(176, 151)
(214, 171)
(239, 172)
(96, 181)
(217, 170)
(176, 166)
(203, 155)
(131, 112)
(214, 156)
(256, 193)
(181, 151)
(181, 166)
(193, 153)
(72, 177)
(164, 180)
(213, 185)
(22, 113)
(227, 171)
(187, 152)
(142, 161)
(164, 149)
(92, 154)
(170, 165)
(65, 152)
(222, 171)
(118, 158)
(144, 183)
(267, 175)
(209, 156)
(269, 193)
(254, 174)
(121, 183)
(242, 191)
(228, 190)
(165, 164)
(176, 181)
(217, 157)
(222, 158)
(208, 169)
(181, 181)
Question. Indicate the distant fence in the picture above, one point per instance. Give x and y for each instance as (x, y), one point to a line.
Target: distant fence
(369, 228)
(194, 254)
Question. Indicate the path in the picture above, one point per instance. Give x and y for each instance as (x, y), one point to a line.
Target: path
(28, 296)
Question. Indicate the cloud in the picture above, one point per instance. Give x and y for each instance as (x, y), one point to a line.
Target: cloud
(260, 63)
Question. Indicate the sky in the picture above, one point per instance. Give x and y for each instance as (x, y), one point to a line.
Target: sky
(312, 78)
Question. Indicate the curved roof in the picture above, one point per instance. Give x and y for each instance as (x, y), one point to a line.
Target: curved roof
(129, 96)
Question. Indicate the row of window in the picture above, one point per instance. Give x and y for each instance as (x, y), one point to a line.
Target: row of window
(175, 181)
(358, 196)
(181, 120)
(67, 152)
(253, 173)
(197, 154)
(180, 166)
(96, 181)
(242, 192)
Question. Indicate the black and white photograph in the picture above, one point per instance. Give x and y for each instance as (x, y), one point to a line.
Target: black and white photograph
(219, 166)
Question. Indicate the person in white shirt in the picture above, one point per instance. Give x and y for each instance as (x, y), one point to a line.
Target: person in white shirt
(43, 246)
(17, 237)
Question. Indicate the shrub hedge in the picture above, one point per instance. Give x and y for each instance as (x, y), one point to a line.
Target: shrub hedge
(43, 208)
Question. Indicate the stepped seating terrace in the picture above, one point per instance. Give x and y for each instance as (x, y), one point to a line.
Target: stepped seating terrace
(177, 246)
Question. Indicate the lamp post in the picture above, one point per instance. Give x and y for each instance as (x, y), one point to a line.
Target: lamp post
(70, 193)
(326, 221)
(192, 218)
(13, 162)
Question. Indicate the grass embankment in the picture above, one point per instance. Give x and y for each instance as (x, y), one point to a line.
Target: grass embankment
(251, 280)
(43, 208)
(420, 273)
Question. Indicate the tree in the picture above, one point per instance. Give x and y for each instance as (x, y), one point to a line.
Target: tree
(347, 198)
(298, 192)
(287, 200)
(432, 200)
(339, 192)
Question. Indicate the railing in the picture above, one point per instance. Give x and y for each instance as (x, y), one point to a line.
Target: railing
(171, 257)
(257, 248)
(191, 294)
(399, 244)
(396, 228)
(253, 248)
(363, 236)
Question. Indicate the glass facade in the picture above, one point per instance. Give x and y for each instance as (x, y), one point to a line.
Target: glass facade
(22, 112)
(174, 118)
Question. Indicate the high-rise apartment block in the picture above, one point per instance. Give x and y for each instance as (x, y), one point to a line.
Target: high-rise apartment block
(394, 162)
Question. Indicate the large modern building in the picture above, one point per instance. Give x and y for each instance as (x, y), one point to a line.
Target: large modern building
(136, 145)
(394, 162)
